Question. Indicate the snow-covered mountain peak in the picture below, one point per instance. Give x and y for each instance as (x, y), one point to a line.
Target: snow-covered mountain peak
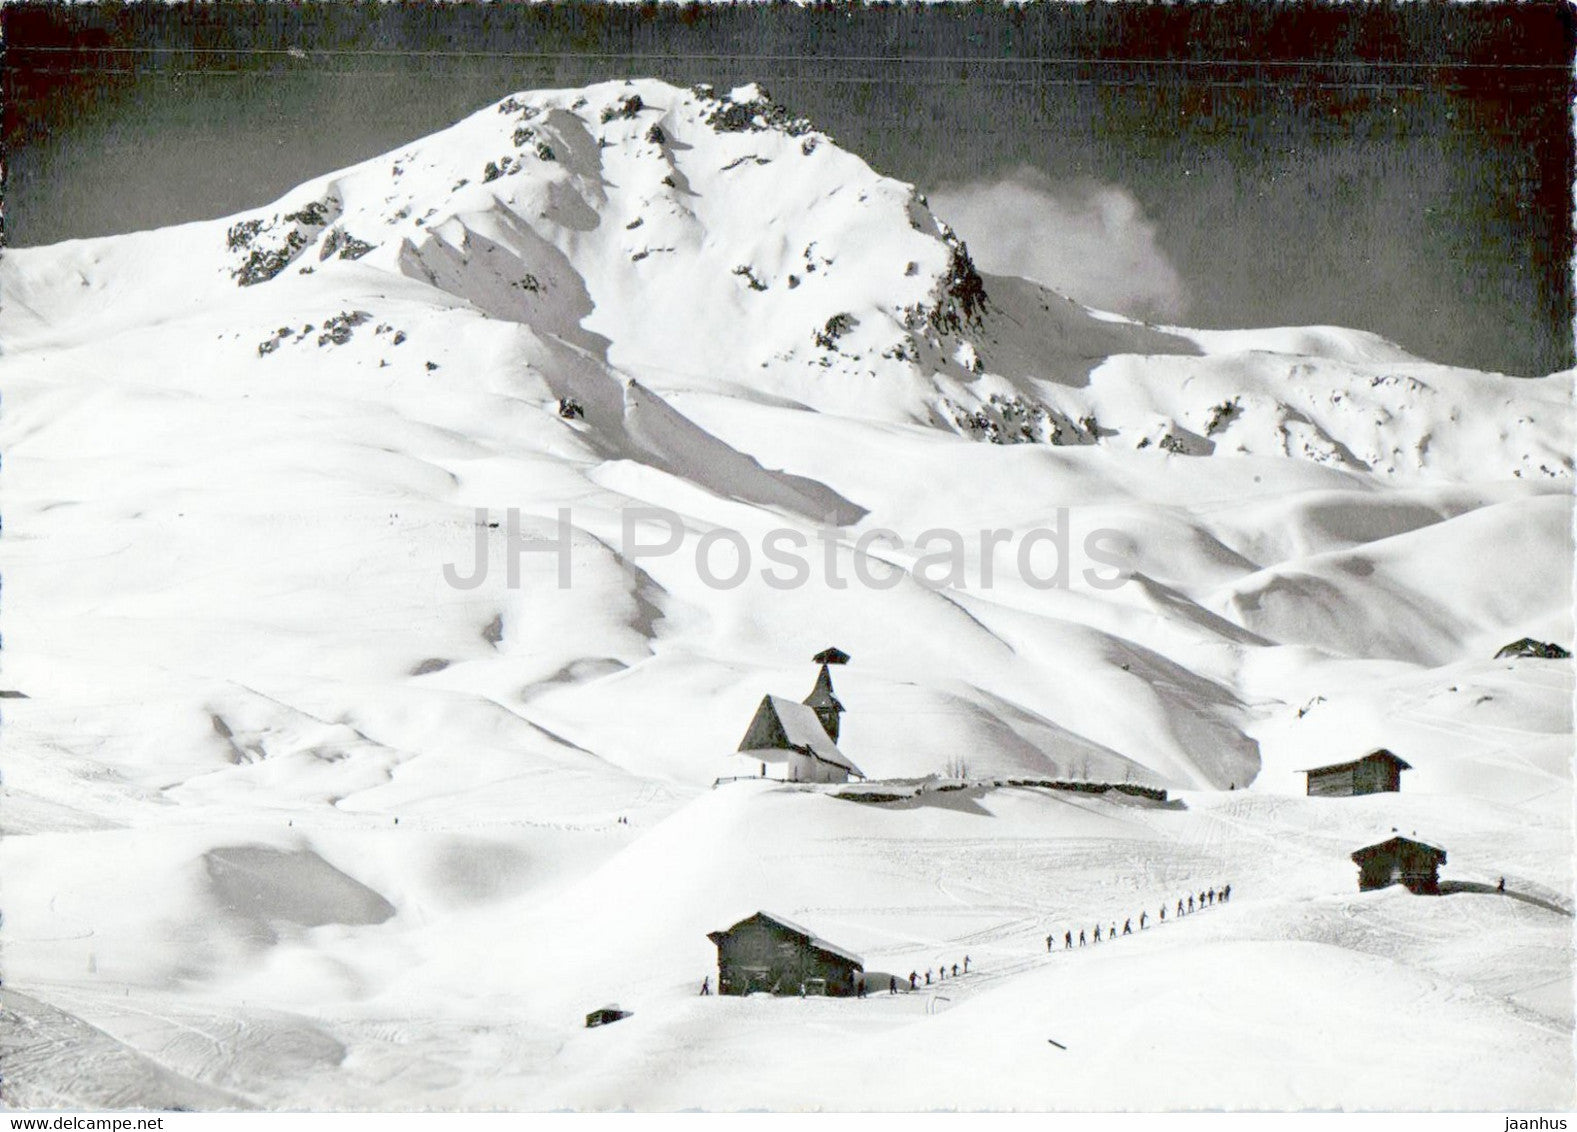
(692, 239)
(648, 210)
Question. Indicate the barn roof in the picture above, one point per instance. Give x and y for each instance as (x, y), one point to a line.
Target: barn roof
(1377, 753)
(790, 926)
(831, 656)
(781, 724)
(1374, 850)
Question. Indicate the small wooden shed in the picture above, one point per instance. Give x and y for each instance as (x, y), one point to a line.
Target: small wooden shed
(765, 953)
(605, 1014)
(1400, 860)
(1378, 772)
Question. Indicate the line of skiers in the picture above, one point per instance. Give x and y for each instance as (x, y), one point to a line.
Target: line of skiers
(894, 983)
(915, 977)
(862, 984)
(1185, 906)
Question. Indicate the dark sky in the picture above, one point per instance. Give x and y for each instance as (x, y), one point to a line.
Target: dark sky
(1402, 169)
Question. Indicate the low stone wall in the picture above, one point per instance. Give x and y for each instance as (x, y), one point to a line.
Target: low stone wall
(873, 794)
(1155, 794)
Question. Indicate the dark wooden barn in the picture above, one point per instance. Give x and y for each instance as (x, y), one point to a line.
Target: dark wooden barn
(1378, 772)
(766, 953)
(1400, 860)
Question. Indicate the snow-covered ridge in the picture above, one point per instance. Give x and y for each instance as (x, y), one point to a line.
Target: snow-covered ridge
(696, 240)
(634, 294)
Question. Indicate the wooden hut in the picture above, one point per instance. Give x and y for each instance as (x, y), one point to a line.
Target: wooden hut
(1400, 860)
(603, 1015)
(766, 953)
(790, 733)
(1378, 772)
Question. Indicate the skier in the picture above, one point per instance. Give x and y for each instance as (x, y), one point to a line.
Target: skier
(1113, 933)
(1501, 887)
(1190, 902)
(1163, 913)
(1067, 941)
(1143, 916)
(928, 976)
(1081, 937)
(802, 990)
(892, 984)
(1201, 898)
(1097, 933)
(966, 964)
(1179, 907)
(706, 985)
(955, 970)
(1127, 927)
(1048, 941)
(1212, 895)
(1226, 893)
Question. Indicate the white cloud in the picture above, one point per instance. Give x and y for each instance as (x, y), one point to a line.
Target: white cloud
(1091, 241)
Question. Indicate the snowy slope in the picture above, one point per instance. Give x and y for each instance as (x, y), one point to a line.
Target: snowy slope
(405, 831)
